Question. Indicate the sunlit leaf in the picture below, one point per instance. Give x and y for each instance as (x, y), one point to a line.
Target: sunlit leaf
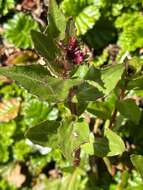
(36, 80)
(17, 30)
(71, 135)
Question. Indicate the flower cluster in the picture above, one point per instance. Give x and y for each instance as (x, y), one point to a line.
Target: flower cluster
(74, 52)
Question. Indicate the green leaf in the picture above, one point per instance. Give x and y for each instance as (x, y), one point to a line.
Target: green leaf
(102, 34)
(37, 81)
(85, 13)
(87, 92)
(46, 47)
(137, 161)
(44, 134)
(100, 109)
(35, 111)
(129, 109)
(6, 6)
(72, 7)
(72, 181)
(17, 30)
(107, 79)
(94, 74)
(57, 21)
(135, 83)
(116, 144)
(110, 145)
(111, 77)
(71, 136)
(131, 37)
(21, 150)
(86, 19)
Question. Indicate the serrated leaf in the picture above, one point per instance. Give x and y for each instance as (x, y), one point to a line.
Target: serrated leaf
(37, 81)
(131, 37)
(71, 135)
(86, 19)
(44, 134)
(57, 21)
(125, 107)
(137, 161)
(85, 13)
(9, 109)
(35, 111)
(20, 22)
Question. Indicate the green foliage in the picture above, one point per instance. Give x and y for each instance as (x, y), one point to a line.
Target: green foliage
(6, 132)
(76, 121)
(35, 111)
(37, 80)
(131, 37)
(21, 145)
(137, 162)
(74, 134)
(57, 21)
(44, 134)
(85, 13)
(125, 108)
(17, 30)
(6, 6)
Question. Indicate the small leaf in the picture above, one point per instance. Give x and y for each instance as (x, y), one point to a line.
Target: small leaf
(111, 77)
(110, 145)
(57, 21)
(71, 135)
(37, 80)
(44, 134)
(137, 161)
(46, 47)
(116, 144)
(129, 109)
